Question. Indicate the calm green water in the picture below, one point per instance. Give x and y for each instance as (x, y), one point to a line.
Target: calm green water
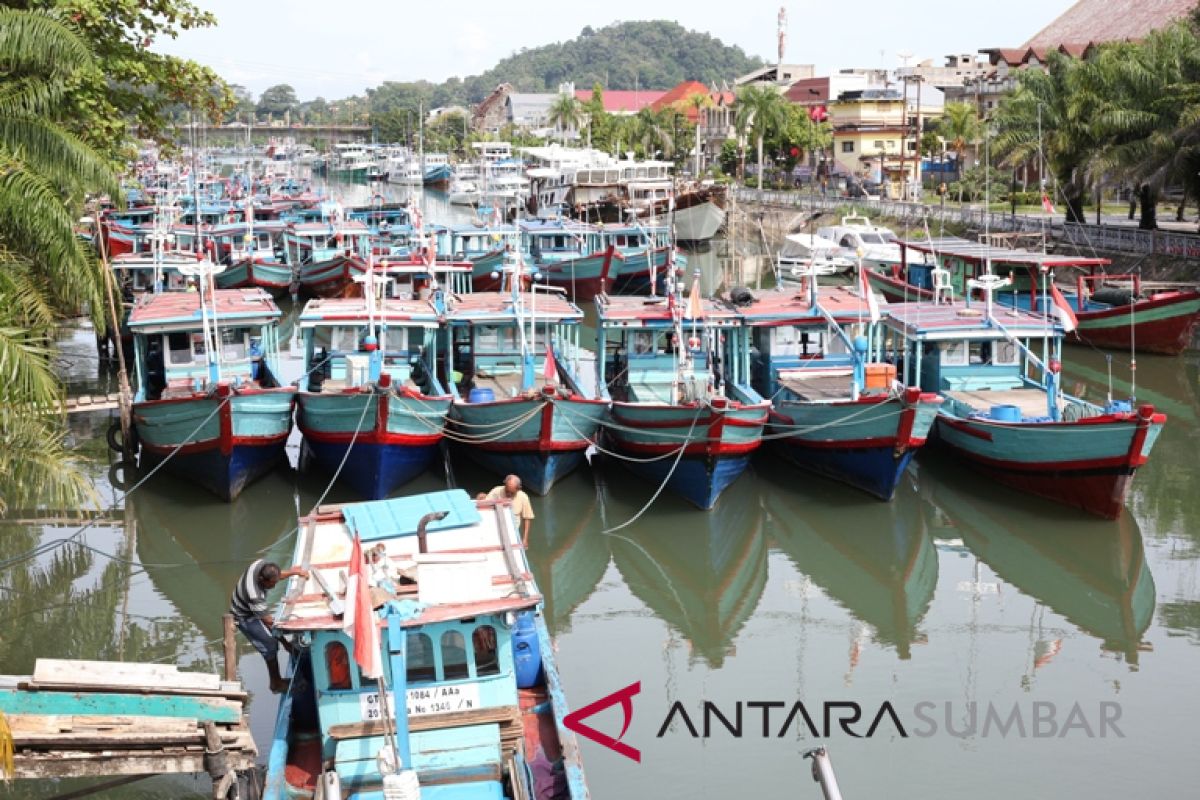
(793, 588)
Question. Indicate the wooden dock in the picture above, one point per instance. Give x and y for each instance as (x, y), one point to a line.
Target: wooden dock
(93, 402)
(103, 718)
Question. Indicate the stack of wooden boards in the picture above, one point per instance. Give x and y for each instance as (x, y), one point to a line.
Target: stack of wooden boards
(89, 718)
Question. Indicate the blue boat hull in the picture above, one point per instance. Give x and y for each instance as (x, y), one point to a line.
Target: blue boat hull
(875, 470)
(223, 475)
(374, 471)
(699, 480)
(538, 471)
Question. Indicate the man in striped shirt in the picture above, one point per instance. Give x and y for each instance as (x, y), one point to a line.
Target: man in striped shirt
(248, 605)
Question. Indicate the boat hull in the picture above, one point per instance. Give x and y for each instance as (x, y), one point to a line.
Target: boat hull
(332, 278)
(223, 446)
(698, 223)
(482, 268)
(1160, 324)
(582, 278)
(274, 277)
(1088, 464)
(866, 444)
(397, 437)
(719, 443)
(540, 438)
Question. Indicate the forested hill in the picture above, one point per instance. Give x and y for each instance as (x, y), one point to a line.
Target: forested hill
(653, 55)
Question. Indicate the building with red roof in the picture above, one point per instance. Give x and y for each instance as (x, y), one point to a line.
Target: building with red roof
(681, 98)
(622, 101)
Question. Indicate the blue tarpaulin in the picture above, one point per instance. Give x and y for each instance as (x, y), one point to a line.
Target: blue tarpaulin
(399, 516)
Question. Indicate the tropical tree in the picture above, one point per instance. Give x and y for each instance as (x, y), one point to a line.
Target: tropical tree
(44, 269)
(277, 101)
(760, 110)
(960, 127)
(653, 132)
(566, 114)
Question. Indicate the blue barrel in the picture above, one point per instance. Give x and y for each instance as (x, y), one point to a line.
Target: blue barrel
(527, 653)
(481, 396)
(1006, 413)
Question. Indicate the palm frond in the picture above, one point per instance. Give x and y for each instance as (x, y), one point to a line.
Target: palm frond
(56, 154)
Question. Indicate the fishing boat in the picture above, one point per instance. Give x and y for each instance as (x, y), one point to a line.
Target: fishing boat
(468, 701)
(372, 410)
(327, 255)
(1004, 411)
(836, 404)
(209, 398)
(802, 250)
(438, 172)
(512, 364)
(1113, 310)
(249, 252)
(683, 411)
(699, 211)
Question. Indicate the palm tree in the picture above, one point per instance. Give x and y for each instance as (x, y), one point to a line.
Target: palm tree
(653, 132)
(45, 271)
(566, 114)
(761, 110)
(698, 102)
(960, 127)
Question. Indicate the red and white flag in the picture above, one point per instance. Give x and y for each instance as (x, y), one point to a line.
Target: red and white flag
(695, 306)
(1047, 206)
(1062, 310)
(359, 619)
(864, 289)
(550, 370)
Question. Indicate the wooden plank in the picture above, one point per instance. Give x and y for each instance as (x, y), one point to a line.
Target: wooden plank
(108, 740)
(227, 690)
(119, 673)
(80, 764)
(505, 715)
(216, 709)
(55, 723)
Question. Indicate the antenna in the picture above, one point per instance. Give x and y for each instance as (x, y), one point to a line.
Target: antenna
(782, 35)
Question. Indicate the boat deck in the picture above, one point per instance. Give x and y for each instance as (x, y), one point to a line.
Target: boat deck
(820, 387)
(1032, 402)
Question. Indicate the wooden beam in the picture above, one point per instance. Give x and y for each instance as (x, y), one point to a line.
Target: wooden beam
(216, 709)
(83, 764)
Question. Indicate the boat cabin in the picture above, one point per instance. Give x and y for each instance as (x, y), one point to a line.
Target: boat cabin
(641, 359)
(171, 345)
(550, 241)
(499, 340)
(315, 242)
(336, 353)
(455, 600)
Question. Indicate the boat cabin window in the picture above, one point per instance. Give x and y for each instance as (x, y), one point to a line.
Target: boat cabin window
(954, 354)
(340, 339)
(848, 241)
(186, 348)
(1005, 354)
(420, 668)
(483, 641)
(234, 342)
(337, 664)
(873, 238)
(648, 343)
(454, 656)
(504, 339)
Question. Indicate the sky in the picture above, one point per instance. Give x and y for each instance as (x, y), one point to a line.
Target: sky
(337, 49)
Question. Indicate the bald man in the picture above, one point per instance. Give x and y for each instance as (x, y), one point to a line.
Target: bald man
(511, 491)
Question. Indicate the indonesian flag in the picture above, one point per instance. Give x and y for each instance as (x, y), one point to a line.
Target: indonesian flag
(359, 620)
(1061, 309)
(249, 211)
(550, 371)
(497, 217)
(1047, 206)
(864, 289)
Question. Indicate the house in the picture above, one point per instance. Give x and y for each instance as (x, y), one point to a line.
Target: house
(492, 112)
(875, 134)
(680, 98)
(622, 102)
(529, 110)
(959, 67)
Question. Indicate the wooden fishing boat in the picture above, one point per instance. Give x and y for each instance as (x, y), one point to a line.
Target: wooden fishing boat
(519, 406)
(1022, 430)
(817, 356)
(327, 256)
(683, 410)
(465, 653)
(1113, 309)
(248, 252)
(208, 385)
(371, 406)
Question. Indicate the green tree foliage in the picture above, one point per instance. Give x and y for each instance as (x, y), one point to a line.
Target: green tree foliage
(566, 114)
(128, 88)
(961, 128)
(654, 54)
(44, 269)
(762, 112)
(277, 101)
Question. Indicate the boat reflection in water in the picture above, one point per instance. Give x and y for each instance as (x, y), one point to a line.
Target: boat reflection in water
(875, 559)
(702, 574)
(567, 552)
(1092, 573)
(195, 549)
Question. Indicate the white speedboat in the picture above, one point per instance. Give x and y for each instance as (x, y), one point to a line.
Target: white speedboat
(803, 250)
(876, 245)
